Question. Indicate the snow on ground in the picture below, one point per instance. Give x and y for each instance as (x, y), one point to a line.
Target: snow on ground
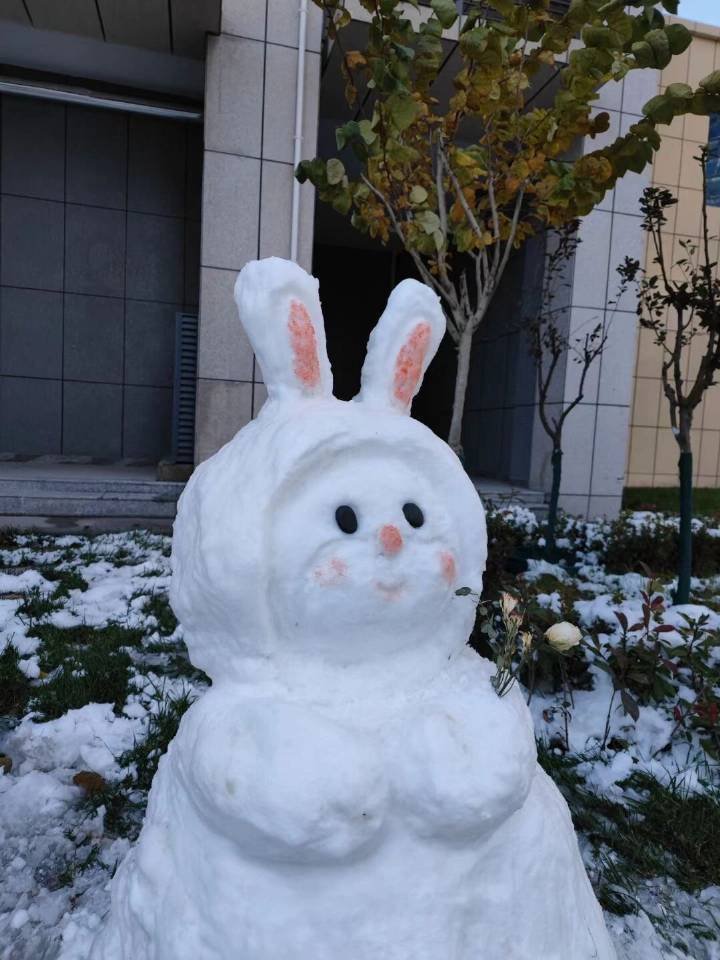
(60, 841)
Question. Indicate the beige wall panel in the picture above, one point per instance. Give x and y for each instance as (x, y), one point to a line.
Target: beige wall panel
(711, 416)
(647, 401)
(702, 60)
(642, 449)
(709, 451)
(667, 163)
(666, 452)
(690, 171)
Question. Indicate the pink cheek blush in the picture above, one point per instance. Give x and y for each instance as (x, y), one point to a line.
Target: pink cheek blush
(332, 573)
(304, 347)
(449, 570)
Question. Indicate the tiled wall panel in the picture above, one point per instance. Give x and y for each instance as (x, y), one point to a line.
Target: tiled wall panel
(99, 248)
(653, 452)
(247, 190)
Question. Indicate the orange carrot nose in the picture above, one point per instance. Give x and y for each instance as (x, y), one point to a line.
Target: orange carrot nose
(391, 540)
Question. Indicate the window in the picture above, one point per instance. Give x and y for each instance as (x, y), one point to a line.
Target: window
(713, 168)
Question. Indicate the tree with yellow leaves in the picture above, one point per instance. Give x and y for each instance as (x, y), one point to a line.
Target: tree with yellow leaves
(462, 183)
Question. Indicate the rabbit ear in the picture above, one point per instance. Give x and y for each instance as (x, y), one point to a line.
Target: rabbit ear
(279, 307)
(401, 346)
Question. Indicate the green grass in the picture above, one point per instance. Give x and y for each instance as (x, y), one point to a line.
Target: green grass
(706, 500)
(66, 580)
(14, 685)
(658, 830)
(158, 606)
(37, 605)
(125, 800)
(58, 644)
(85, 665)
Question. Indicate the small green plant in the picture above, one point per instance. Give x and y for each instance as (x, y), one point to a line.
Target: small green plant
(694, 664)
(36, 606)
(638, 664)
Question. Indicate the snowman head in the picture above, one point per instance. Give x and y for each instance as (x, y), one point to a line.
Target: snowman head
(328, 530)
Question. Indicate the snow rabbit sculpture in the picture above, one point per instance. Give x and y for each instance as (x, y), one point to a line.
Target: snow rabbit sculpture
(351, 786)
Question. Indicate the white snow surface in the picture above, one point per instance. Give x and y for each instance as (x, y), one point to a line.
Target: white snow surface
(351, 785)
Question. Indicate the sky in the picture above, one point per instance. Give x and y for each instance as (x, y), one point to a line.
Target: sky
(707, 11)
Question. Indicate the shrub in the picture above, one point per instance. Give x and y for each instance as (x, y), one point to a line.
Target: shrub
(633, 542)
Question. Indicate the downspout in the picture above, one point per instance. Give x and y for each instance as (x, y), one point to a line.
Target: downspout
(299, 118)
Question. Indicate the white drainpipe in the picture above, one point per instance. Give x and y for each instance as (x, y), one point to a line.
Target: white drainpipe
(299, 117)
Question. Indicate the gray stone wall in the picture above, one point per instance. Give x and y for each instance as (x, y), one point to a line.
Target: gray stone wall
(99, 235)
(247, 190)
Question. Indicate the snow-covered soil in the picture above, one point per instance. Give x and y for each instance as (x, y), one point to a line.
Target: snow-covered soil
(74, 786)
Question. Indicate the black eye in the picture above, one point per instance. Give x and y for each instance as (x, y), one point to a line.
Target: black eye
(346, 519)
(413, 515)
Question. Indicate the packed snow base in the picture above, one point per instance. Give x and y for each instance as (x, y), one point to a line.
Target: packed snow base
(349, 734)
(59, 845)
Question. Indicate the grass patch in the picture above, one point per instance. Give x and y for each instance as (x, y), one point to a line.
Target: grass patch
(158, 606)
(66, 580)
(37, 605)
(659, 830)
(14, 685)
(98, 676)
(125, 801)
(706, 500)
(60, 644)
(8, 539)
(85, 665)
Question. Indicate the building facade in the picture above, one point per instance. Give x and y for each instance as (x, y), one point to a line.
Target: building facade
(147, 153)
(653, 454)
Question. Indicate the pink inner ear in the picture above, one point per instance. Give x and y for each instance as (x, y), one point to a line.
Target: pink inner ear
(304, 346)
(409, 363)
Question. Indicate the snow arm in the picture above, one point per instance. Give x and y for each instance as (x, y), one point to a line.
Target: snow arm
(280, 781)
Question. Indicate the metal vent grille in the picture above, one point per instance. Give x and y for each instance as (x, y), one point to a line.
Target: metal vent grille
(183, 421)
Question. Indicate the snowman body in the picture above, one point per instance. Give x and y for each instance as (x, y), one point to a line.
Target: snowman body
(351, 785)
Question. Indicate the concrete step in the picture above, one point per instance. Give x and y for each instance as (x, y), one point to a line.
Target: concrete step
(499, 492)
(90, 502)
(110, 489)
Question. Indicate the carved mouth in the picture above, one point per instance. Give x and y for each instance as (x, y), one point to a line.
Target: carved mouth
(391, 591)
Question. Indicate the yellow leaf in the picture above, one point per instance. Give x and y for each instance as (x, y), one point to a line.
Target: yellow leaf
(354, 59)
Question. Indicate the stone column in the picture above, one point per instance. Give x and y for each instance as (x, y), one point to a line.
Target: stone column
(247, 189)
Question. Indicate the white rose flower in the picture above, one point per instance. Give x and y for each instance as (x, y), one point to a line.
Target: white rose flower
(507, 603)
(563, 636)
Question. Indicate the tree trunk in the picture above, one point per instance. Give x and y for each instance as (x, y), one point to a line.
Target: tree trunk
(461, 382)
(685, 469)
(550, 545)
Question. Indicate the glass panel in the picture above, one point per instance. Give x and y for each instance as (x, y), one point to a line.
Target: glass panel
(713, 169)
